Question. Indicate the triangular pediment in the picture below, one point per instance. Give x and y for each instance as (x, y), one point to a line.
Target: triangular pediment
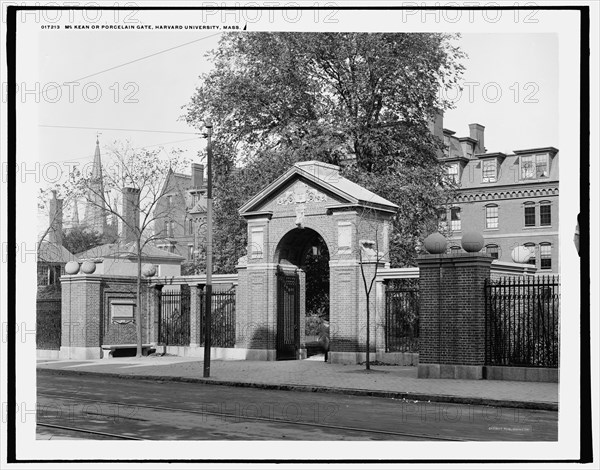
(314, 182)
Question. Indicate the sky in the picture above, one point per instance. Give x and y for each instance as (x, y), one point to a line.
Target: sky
(510, 86)
(131, 85)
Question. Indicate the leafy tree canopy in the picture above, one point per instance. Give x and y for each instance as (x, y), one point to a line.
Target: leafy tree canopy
(357, 99)
(80, 239)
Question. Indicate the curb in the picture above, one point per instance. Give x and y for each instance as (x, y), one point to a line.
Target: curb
(547, 406)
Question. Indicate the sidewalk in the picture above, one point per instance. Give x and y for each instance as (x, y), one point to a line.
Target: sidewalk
(315, 375)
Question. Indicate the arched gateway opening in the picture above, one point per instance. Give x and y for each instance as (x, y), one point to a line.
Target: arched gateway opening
(305, 233)
(302, 259)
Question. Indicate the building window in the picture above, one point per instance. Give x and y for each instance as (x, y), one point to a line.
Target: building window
(489, 171)
(491, 216)
(169, 201)
(532, 259)
(545, 256)
(190, 227)
(442, 220)
(453, 174)
(42, 274)
(529, 214)
(54, 275)
(190, 252)
(545, 213)
(454, 250)
(534, 167)
(455, 218)
(492, 250)
(168, 228)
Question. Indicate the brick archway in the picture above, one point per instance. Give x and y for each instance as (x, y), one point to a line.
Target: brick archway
(310, 198)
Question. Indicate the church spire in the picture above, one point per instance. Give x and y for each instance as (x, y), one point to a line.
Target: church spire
(95, 209)
(97, 167)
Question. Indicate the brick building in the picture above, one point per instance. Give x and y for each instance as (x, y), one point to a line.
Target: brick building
(52, 256)
(512, 199)
(121, 258)
(181, 213)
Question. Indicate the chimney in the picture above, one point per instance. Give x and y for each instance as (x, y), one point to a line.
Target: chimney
(436, 127)
(436, 124)
(56, 220)
(131, 214)
(476, 132)
(197, 175)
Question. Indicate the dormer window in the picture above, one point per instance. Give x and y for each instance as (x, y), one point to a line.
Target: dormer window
(534, 167)
(489, 171)
(490, 165)
(453, 172)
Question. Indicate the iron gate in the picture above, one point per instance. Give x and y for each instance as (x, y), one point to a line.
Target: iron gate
(174, 318)
(522, 321)
(288, 314)
(402, 319)
(222, 332)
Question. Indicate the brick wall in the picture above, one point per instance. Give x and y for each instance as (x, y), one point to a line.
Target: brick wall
(86, 316)
(452, 310)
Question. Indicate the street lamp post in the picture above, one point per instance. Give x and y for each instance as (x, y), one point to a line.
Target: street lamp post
(209, 249)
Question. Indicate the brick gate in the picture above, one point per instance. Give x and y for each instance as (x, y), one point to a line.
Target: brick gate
(310, 200)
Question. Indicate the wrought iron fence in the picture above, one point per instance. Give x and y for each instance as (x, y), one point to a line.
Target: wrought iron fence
(222, 330)
(402, 317)
(48, 324)
(174, 318)
(522, 318)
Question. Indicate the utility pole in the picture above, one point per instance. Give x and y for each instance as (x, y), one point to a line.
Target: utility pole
(209, 249)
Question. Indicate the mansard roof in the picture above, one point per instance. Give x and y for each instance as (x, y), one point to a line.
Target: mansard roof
(325, 177)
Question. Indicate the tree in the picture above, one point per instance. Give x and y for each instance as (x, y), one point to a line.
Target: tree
(357, 98)
(79, 239)
(136, 176)
(51, 256)
(368, 237)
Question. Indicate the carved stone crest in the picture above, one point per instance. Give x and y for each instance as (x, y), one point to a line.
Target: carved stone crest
(301, 193)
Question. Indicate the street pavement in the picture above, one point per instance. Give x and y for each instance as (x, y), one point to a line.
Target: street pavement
(72, 406)
(316, 375)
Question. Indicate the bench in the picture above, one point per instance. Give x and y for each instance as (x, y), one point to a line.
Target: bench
(147, 348)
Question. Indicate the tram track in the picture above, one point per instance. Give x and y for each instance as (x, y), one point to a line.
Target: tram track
(88, 431)
(287, 422)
